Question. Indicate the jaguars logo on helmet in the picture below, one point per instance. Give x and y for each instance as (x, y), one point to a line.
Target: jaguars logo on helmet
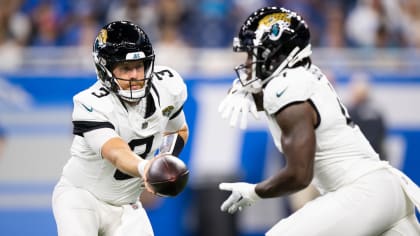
(102, 37)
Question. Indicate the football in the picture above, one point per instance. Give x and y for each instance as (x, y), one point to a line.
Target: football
(167, 175)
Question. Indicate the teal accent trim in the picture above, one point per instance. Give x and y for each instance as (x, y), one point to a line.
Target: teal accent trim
(278, 94)
(89, 109)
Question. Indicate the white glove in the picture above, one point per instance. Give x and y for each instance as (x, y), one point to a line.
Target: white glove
(237, 103)
(243, 194)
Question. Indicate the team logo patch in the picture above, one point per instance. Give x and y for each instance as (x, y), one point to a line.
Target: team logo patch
(167, 111)
(102, 37)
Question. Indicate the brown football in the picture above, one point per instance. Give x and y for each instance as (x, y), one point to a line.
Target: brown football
(167, 175)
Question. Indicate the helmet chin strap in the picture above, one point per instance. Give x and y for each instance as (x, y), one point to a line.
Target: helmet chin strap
(130, 95)
(255, 86)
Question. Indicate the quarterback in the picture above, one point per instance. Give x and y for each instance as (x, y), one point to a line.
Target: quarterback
(360, 194)
(133, 112)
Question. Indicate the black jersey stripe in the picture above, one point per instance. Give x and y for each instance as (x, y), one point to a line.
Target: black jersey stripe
(150, 106)
(156, 92)
(177, 112)
(318, 116)
(81, 127)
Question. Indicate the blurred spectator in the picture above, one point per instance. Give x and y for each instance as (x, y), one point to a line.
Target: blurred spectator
(14, 30)
(314, 11)
(376, 23)
(80, 30)
(411, 22)
(365, 113)
(169, 18)
(334, 34)
(244, 8)
(363, 22)
(47, 22)
(81, 26)
(18, 22)
(347, 5)
(382, 36)
(141, 12)
(170, 39)
(99, 9)
(211, 23)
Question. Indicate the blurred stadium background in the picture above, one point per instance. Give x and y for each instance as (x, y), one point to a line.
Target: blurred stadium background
(45, 51)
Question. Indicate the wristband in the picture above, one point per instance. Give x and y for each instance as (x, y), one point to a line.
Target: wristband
(173, 144)
(141, 167)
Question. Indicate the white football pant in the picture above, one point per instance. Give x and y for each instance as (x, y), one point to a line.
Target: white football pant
(374, 205)
(78, 213)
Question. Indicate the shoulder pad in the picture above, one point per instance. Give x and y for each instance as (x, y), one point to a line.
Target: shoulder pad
(169, 82)
(92, 104)
(292, 85)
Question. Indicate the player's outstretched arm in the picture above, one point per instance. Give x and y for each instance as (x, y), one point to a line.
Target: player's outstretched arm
(297, 123)
(117, 151)
(298, 141)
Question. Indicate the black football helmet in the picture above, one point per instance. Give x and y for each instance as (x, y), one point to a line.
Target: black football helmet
(122, 41)
(274, 38)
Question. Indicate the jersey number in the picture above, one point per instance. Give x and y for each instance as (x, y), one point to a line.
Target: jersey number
(118, 175)
(162, 73)
(102, 93)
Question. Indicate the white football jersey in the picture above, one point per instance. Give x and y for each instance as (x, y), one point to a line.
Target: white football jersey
(141, 126)
(342, 152)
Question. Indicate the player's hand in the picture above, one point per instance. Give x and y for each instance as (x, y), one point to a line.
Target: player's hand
(243, 194)
(237, 104)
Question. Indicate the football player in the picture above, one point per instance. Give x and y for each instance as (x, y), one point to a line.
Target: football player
(361, 195)
(132, 112)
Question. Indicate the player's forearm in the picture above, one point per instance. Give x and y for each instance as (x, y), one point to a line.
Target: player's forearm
(283, 183)
(298, 146)
(120, 155)
(128, 163)
(297, 174)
